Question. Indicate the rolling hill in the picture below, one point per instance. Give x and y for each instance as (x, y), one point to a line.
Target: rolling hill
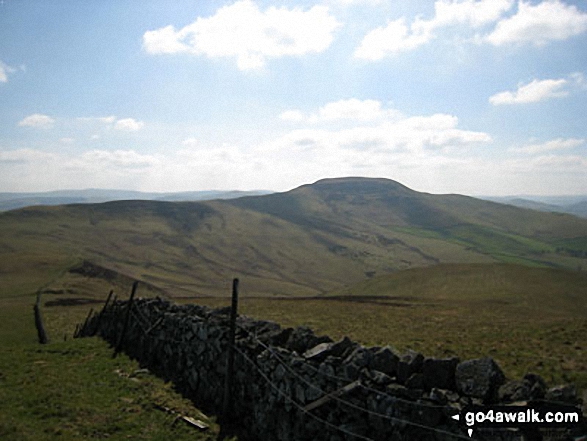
(308, 241)
(571, 205)
(12, 201)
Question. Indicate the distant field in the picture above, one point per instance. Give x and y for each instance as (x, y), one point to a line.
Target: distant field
(528, 319)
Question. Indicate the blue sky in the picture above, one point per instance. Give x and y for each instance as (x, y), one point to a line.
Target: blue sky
(479, 97)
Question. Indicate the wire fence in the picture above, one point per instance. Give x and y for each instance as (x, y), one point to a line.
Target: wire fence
(146, 326)
(143, 322)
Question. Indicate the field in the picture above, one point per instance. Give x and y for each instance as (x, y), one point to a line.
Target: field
(527, 319)
(73, 389)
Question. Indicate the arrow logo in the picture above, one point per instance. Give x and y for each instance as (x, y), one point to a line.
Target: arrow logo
(457, 418)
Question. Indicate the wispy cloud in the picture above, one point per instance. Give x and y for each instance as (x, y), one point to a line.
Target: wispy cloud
(101, 119)
(399, 36)
(368, 126)
(535, 24)
(123, 124)
(533, 92)
(540, 90)
(554, 145)
(539, 24)
(38, 121)
(252, 36)
(350, 110)
(355, 2)
(394, 38)
(5, 70)
(129, 125)
(190, 142)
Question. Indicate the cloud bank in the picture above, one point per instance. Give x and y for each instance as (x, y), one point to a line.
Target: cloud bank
(539, 24)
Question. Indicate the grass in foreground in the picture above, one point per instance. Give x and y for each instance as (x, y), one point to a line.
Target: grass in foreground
(74, 390)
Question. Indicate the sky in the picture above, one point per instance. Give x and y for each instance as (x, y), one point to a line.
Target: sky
(477, 97)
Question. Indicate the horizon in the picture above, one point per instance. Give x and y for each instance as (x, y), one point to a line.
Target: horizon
(269, 191)
(472, 97)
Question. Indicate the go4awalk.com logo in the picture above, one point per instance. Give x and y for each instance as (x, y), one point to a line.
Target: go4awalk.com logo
(521, 417)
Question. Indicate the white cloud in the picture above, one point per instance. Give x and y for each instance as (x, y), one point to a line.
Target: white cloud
(117, 158)
(550, 164)
(353, 110)
(67, 140)
(398, 36)
(165, 40)
(470, 12)
(248, 34)
(37, 120)
(374, 129)
(533, 92)
(3, 72)
(579, 80)
(292, 115)
(111, 122)
(356, 2)
(538, 24)
(389, 40)
(5, 69)
(101, 119)
(550, 146)
(190, 142)
(129, 125)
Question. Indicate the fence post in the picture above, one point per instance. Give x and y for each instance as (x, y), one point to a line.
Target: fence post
(227, 403)
(41, 333)
(126, 320)
(99, 320)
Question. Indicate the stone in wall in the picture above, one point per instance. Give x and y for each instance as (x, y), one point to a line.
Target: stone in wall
(479, 378)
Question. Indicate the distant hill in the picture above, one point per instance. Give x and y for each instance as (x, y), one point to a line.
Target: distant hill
(11, 201)
(576, 205)
(307, 241)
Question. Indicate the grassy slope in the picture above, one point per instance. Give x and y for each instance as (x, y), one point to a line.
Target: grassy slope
(73, 390)
(528, 319)
(305, 242)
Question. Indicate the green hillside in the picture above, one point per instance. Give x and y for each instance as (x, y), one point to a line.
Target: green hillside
(307, 241)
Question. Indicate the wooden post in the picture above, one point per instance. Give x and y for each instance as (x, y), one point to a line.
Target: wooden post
(126, 320)
(99, 319)
(227, 403)
(41, 333)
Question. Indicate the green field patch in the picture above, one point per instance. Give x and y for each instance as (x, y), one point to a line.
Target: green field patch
(528, 319)
(74, 390)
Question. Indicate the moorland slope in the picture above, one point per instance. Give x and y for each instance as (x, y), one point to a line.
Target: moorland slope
(307, 241)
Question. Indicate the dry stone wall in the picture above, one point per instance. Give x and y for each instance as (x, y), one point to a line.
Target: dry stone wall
(290, 384)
